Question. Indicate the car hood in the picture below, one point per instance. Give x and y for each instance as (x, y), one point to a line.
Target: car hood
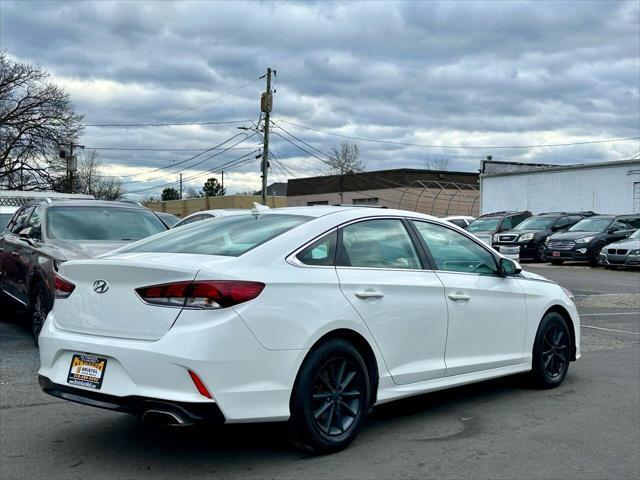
(628, 243)
(572, 235)
(80, 250)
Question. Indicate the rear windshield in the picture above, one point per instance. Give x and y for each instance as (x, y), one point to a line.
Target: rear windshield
(101, 223)
(229, 236)
(484, 224)
(592, 224)
(4, 220)
(536, 223)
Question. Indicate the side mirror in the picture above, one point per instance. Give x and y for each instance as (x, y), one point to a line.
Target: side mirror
(25, 233)
(509, 267)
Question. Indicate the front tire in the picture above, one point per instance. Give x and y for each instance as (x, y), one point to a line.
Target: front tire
(40, 306)
(330, 399)
(540, 251)
(551, 351)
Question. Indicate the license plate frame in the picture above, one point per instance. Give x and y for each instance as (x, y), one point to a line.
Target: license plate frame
(555, 254)
(87, 370)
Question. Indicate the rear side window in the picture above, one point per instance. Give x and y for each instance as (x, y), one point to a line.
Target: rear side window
(322, 252)
(383, 243)
(228, 236)
(634, 223)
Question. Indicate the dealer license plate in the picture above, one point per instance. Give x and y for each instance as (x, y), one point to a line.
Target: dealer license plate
(555, 254)
(86, 370)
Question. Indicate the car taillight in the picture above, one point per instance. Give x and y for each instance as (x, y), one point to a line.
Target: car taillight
(206, 294)
(63, 288)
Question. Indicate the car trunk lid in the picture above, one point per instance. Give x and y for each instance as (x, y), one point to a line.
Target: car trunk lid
(117, 311)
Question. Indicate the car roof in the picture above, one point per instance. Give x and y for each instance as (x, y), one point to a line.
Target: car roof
(503, 214)
(88, 203)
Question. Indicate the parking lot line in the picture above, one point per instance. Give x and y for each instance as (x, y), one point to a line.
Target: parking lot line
(611, 330)
(608, 314)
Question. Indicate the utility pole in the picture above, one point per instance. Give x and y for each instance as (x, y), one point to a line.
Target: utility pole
(180, 186)
(266, 103)
(223, 180)
(72, 162)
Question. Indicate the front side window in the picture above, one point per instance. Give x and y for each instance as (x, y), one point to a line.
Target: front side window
(454, 252)
(619, 225)
(101, 223)
(383, 243)
(634, 223)
(35, 222)
(507, 223)
(229, 236)
(322, 252)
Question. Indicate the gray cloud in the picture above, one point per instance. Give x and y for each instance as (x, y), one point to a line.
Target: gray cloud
(463, 73)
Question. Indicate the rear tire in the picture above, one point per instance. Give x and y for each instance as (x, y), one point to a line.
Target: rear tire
(330, 399)
(551, 352)
(40, 305)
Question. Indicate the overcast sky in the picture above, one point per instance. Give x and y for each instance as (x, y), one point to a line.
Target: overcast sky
(431, 73)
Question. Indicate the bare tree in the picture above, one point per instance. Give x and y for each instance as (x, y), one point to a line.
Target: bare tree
(438, 164)
(344, 159)
(193, 193)
(91, 180)
(36, 117)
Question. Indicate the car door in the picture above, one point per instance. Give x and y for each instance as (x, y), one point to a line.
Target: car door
(619, 230)
(487, 312)
(13, 257)
(380, 269)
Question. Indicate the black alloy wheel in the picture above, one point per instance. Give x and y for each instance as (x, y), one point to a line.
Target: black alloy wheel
(551, 351)
(330, 399)
(337, 396)
(540, 252)
(40, 307)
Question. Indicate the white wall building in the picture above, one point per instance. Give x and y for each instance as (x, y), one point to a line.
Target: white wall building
(606, 187)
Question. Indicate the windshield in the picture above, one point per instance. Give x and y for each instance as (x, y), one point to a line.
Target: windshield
(4, 220)
(484, 224)
(101, 223)
(592, 224)
(536, 223)
(229, 236)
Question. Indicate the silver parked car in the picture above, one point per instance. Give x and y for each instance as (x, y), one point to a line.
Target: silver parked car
(623, 253)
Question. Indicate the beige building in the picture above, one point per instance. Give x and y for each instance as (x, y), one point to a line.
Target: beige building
(426, 191)
(185, 207)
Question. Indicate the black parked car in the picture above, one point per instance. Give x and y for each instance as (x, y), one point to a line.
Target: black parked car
(527, 239)
(486, 225)
(585, 239)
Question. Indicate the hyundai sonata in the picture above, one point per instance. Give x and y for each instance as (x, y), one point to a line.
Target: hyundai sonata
(309, 315)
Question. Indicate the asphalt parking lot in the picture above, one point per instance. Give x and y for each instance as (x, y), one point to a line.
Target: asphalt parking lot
(587, 428)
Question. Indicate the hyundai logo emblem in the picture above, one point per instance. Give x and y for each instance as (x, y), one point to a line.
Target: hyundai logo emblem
(100, 286)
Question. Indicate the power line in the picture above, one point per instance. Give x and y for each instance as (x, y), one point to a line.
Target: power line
(195, 164)
(232, 163)
(485, 147)
(132, 125)
(156, 149)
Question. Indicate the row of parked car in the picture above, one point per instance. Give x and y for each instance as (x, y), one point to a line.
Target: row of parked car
(608, 240)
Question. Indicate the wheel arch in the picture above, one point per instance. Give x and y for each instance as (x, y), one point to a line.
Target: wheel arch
(564, 313)
(363, 347)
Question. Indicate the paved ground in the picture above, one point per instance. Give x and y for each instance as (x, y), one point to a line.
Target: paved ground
(587, 428)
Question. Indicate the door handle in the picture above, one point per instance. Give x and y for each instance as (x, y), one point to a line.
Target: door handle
(369, 294)
(459, 296)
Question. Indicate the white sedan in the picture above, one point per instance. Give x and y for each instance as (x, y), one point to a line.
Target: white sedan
(310, 315)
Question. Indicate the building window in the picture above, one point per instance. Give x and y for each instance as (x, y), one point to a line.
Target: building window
(318, 202)
(366, 201)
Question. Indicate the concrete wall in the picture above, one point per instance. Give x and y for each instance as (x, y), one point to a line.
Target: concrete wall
(439, 202)
(601, 188)
(182, 208)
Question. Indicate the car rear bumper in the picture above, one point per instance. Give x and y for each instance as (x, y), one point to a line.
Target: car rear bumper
(194, 412)
(248, 382)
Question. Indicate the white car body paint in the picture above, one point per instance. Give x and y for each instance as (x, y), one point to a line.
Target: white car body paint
(248, 355)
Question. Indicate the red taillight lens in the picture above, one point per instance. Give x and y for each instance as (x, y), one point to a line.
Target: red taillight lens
(208, 294)
(63, 288)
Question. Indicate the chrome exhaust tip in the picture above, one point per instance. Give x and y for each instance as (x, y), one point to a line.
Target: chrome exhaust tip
(166, 418)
